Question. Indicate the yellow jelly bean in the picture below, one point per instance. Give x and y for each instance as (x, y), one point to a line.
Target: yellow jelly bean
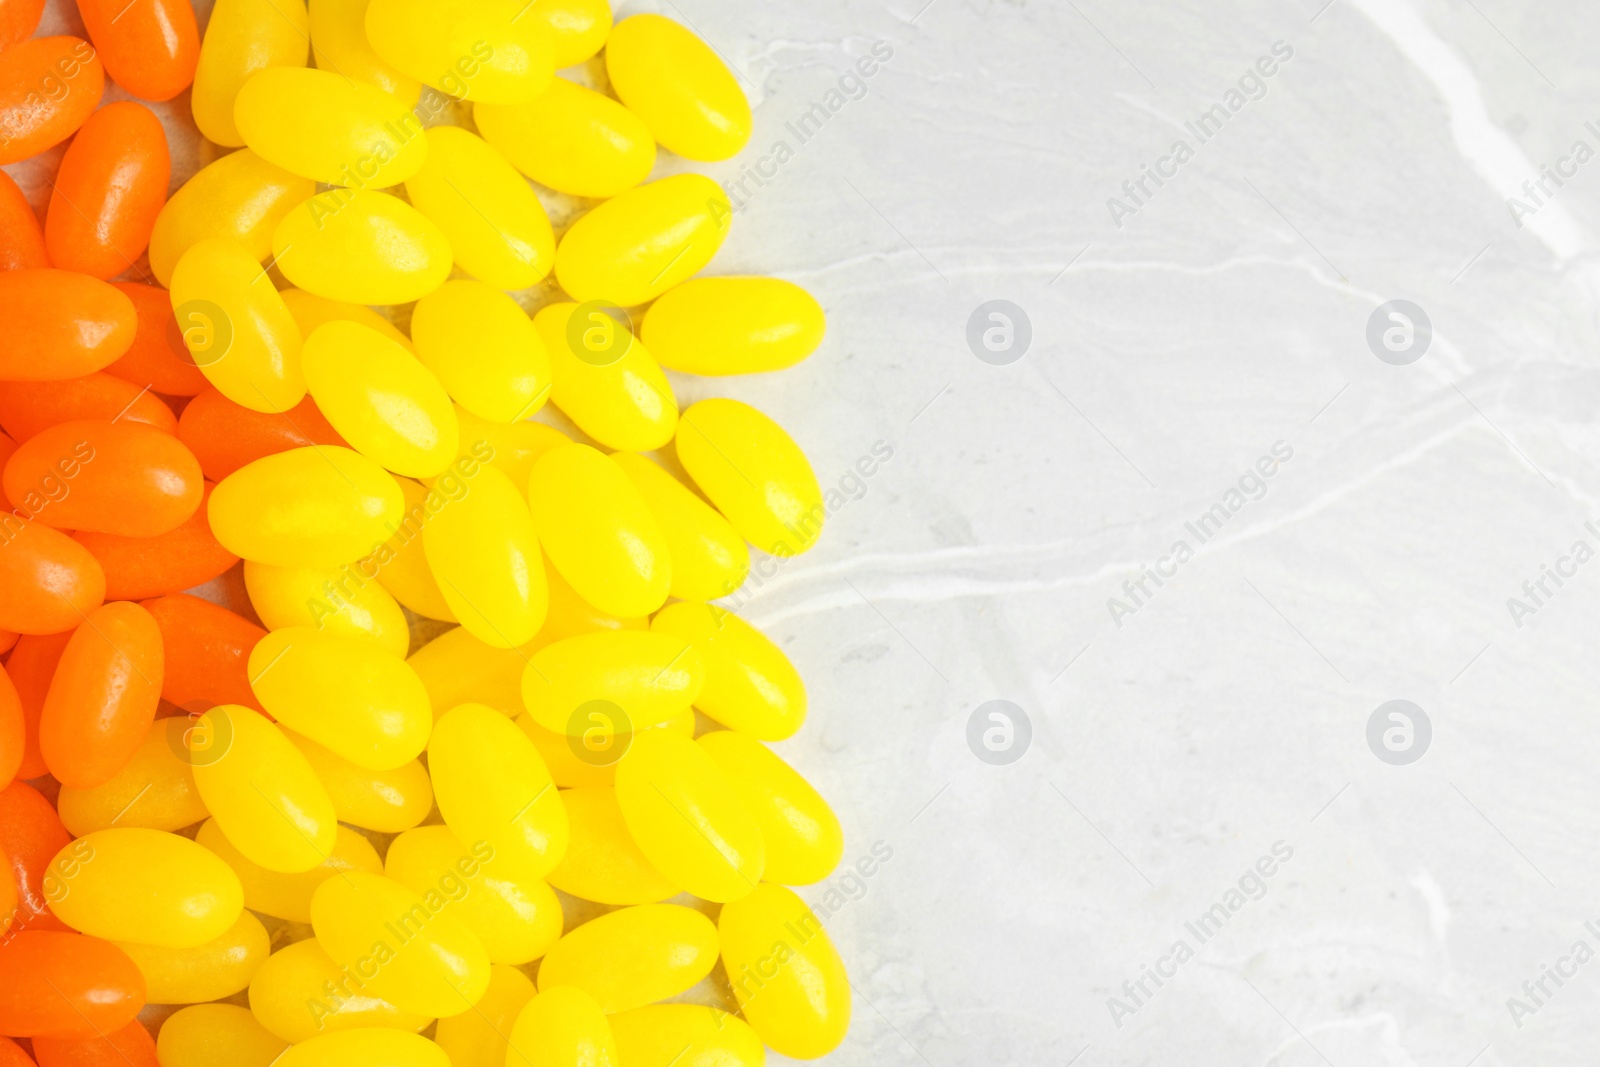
(386, 801)
(679, 87)
(236, 327)
(381, 399)
(803, 838)
(634, 956)
(562, 1027)
(590, 759)
(572, 139)
(638, 678)
(604, 380)
(259, 788)
(339, 43)
(571, 615)
(132, 884)
(311, 311)
(329, 128)
(321, 599)
(216, 1035)
(804, 1010)
(515, 445)
(602, 863)
(362, 247)
(409, 949)
(345, 693)
(754, 473)
(478, 1038)
(243, 36)
(733, 326)
(458, 668)
(685, 1035)
(495, 224)
(484, 349)
(598, 531)
(485, 555)
(709, 558)
(400, 563)
(240, 197)
(300, 992)
(515, 914)
(688, 817)
(319, 506)
(288, 896)
(580, 27)
(750, 684)
(491, 786)
(155, 790)
(468, 49)
(214, 970)
(370, 1048)
(639, 244)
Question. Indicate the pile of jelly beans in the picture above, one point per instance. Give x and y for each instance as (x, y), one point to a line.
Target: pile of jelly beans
(454, 759)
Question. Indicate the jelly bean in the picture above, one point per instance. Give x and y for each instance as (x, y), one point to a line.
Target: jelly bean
(492, 787)
(598, 531)
(7, 639)
(496, 227)
(604, 380)
(380, 398)
(214, 970)
(646, 677)
(130, 1046)
(386, 801)
(155, 790)
(484, 349)
(562, 1027)
(458, 668)
(109, 477)
(288, 895)
(339, 43)
(410, 950)
(206, 648)
(323, 126)
(320, 506)
(750, 684)
(804, 1010)
(238, 332)
(28, 407)
(572, 139)
(298, 596)
(346, 693)
(216, 1035)
(240, 197)
(129, 883)
(103, 697)
(243, 36)
(48, 582)
(64, 984)
(478, 1038)
(512, 912)
(32, 666)
(602, 863)
(11, 1054)
(685, 1035)
(688, 817)
(754, 473)
(709, 558)
(181, 558)
(737, 325)
(21, 239)
(301, 992)
(108, 192)
(48, 87)
(362, 247)
(516, 446)
(579, 27)
(13, 733)
(633, 957)
(225, 436)
(565, 766)
(639, 244)
(30, 836)
(468, 49)
(674, 81)
(803, 838)
(371, 1048)
(400, 562)
(571, 615)
(60, 325)
(157, 359)
(484, 553)
(18, 20)
(311, 311)
(150, 50)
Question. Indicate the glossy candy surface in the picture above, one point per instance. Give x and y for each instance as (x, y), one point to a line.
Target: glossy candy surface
(362, 247)
(604, 380)
(804, 1010)
(643, 679)
(561, 1027)
(479, 1038)
(750, 684)
(387, 801)
(484, 348)
(182, 558)
(60, 325)
(48, 87)
(579, 27)
(572, 139)
(674, 81)
(29, 407)
(326, 127)
(736, 325)
(21, 239)
(709, 559)
(103, 697)
(603, 863)
(300, 992)
(689, 1035)
(242, 37)
(59, 983)
(219, 968)
(484, 553)
(802, 835)
(639, 244)
(468, 49)
(754, 473)
(287, 894)
(216, 1035)
(111, 186)
(633, 957)
(205, 648)
(332, 599)
(154, 790)
(370, 1047)
(48, 582)
(150, 49)
(158, 358)
(225, 436)
(122, 477)
(240, 197)
(339, 43)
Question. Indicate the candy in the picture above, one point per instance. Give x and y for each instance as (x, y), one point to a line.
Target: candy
(300, 992)
(154, 790)
(48, 582)
(373, 1048)
(804, 1010)
(299, 596)
(479, 1038)
(150, 49)
(111, 186)
(386, 801)
(458, 668)
(311, 311)
(400, 563)
(753, 473)
(240, 197)
(21, 240)
(633, 957)
(689, 1035)
(157, 359)
(802, 835)
(60, 325)
(709, 558)
(579, 27)
(182, 558)
(750, 684)
(287, 895)
(468, 49)
(484, 350)
(216, 969)
(48, 87)
(225, 436)
(60, 984)
(638, 678)
(30, 837)
(602, 862)
(122, 478)
(216, 1035)
(604, 380)
(104, 696)
(29, 407)
(243, 36)
(732, 326)
(13, 745)
(339, 43)
(206, 648)
(680, 88)
(572, 139)
(485, 555)
(18, 18)
(362, 247)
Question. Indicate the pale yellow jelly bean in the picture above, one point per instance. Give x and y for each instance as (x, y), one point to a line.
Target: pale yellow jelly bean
(214, 970)
(483, 347)
(370, 1048)
(572, 139)
(736, 325)
(688, 817)
(804, 1010)
(301, 992)
(604, 380)
(562, 1027)
(468, 49)
(381, 399)
(339, 43)
(236, 327)
(803, 838)
(386, 801)
(495, 224)
(602, 863)
(685, 1035)
(329, 128)
(458, 668)
(516, 446)
(639, 244)
(126, 884)
(243, 36)
(216, 1035)
(579, 26)
(646, 677)
(311, 311)
(750, 684)
(571, 615)
(709, 558)
(485, 555)
(319, 506)
(259, 788)
(633, 957)
(515, 914)
(400, 562)
(754, 473)
(326, 599)
(674, 81)
(156, 790)
(491, 786)
(409, 949)
(240, 197)
(477, 1038)
(362, 247)
(598, 531)
(590, 759)
(345, 693)
(288, 896)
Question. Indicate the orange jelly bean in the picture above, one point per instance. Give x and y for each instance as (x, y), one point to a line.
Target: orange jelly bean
(18, 19)
(48, 87)
(206, 649)
(149, 47)
(31, 835)
(29, 407)
(31, 666)
(48, 582)
(109, 190)
(67, 985)
(131, 1046)
(11, 1054)
(21, 240)
(140, 567)
(60, 325)
(104, 696)
(225, 436)
(158, 358)
(110, 477)
(13, 742)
